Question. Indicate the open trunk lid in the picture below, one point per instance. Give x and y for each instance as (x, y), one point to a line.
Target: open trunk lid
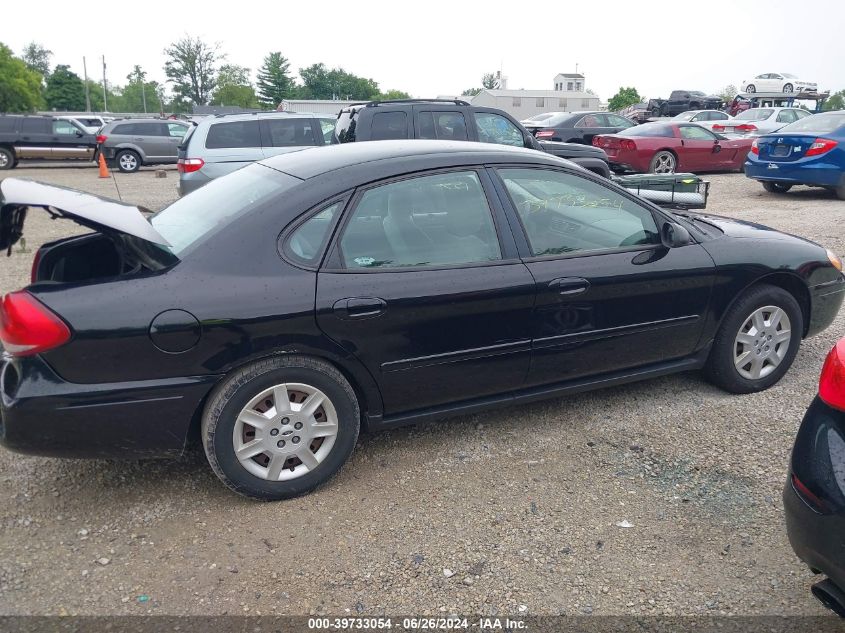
(94, 212)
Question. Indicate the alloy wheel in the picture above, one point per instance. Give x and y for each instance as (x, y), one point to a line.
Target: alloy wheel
(665, 164)
(762, 342)
(4, 160)
(128, 162)
(285, 431)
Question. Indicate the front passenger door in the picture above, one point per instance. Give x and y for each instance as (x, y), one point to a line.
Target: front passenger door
(70, 141)
(610, 295)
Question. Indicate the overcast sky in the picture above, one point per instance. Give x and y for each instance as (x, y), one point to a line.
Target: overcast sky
(436, 47)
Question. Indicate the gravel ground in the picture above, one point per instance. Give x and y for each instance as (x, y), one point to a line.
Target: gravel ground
(515, 511)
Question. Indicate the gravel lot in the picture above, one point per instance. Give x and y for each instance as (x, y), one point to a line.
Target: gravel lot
(521, 505)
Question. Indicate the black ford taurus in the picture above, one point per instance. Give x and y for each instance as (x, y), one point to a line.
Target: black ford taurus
(281, 309)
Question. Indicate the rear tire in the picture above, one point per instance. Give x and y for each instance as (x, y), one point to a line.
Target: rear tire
(265, 406)
(663, 162)
(750, 88)
(771, 342)
(7, 158)
(128, 161)
(776, 187)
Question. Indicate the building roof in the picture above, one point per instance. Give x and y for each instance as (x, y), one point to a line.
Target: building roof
(539, 93)
(570, 75)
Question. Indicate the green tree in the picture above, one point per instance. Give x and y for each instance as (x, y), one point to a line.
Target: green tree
(488, 81)
(835, 101)
(471, 92)
(20, 87)
(234, 87)
(274, 81)
(391, 94)
(727, 93)
(318, 82)
(624, 98)
(37, 58)
(65, 90)
(139, 95)
(191, 68)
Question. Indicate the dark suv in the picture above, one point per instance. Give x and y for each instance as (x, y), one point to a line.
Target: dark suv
(455, 120)
(25, 137)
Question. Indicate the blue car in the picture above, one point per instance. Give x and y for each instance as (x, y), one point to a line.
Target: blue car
(808, 152)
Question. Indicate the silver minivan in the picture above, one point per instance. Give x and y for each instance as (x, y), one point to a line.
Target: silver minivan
(131, 143)
(219, 145)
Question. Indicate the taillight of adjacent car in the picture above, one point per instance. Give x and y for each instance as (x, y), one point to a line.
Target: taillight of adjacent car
(755, 148)
(746, 127)
(718, 127)
(101, 138)
(820, 146)
(832, 380)
(545, 134)
(28, 327)
(189, 165)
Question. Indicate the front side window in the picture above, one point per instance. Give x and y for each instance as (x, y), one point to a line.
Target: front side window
(566, 214)
(696, 133)
(233, 134)
(175, 130)
(65, 128)
(289, 132)
(306, 243)
(436, 220)
(786, 116)
(494, 128)
(327, 130)
(389, 125)
(590, 120)
(755, 114)
(617, 121)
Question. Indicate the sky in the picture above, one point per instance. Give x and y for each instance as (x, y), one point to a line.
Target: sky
(443, 47)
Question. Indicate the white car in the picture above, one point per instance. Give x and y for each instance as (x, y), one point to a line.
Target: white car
(705, 118)
(778, 82)
(537, 119)
(757, 121)
(91, 123)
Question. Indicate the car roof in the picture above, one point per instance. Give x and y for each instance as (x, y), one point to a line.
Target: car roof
(314, 161)
(250, 116)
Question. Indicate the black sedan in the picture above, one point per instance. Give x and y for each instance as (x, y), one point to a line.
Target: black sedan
(814, 497)
(578, 127)
(279, 310)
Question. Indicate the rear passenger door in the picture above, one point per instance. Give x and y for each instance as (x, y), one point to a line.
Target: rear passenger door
(423, 285)
(444, 125)
(229, 145)
(36, 137)
(280, 136)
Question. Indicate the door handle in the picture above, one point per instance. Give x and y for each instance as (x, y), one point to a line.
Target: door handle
(568, 286)
(359, 307)
(138, 138)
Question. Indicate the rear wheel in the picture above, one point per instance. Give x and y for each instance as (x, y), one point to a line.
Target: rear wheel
(7, 158)
(776, 187)
(663, 163)
(757, 341)
(280, 427)
(787, 88)
(128, 161)
(750, 88)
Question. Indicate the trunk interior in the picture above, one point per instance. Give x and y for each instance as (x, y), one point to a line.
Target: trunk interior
(75, 259)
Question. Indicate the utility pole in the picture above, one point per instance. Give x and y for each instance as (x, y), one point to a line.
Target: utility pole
(87, 90)
(143, 95)
(105, 103)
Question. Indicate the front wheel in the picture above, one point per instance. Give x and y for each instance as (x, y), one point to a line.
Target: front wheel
(663, 163)
(280, 427)
(776, 187)
(7, 158)
(750, 88)
(788, 88)
(757, 341)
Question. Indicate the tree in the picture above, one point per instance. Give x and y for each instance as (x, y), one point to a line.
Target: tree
(488, 80)
(274, 81)
(835, 101)
(37, 58)
(624, 98)
(318, 82)
(470, 92)
(191, 68)
(65, 90)
(728, 93)
(20, 87)
(391, 94)
(234, 87)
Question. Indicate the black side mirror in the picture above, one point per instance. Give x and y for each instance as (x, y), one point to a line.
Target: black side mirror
(79, 135)
(673, 235)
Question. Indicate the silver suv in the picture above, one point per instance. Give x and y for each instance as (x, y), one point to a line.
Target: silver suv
(221, 144)
(131, 143)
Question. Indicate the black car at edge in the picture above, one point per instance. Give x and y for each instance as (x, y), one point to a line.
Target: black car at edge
(280, 309)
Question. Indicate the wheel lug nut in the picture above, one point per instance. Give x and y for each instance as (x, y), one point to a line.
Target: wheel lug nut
(280, 443)
(274, 432)
(297, 426)
(295, 439)
(285, 420)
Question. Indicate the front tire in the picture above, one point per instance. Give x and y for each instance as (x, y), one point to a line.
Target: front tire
(128, 161)
(788, 88)
(776, 187)
(280, 427)
(757, 341)
(663, 163)
(750, 89)
(7, 158)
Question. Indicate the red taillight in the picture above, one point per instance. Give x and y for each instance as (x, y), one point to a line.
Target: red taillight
(27, 327)
(627, 144)
(820, 146)
(832, 380)
(189, 165)
(718, 127)
(597, 141)
(755, 149)
(746, 127)
(545, 134)
(101, 138)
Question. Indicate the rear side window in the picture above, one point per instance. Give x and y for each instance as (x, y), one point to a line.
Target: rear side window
(150, 129)
(234, 134)
(35, 126)
(389, 125)
(124, 128)
(449, 126)
(289, 132)
(7, 123)
(306, 243)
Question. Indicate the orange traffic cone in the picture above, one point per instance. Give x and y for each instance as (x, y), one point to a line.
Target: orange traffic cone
(104, 170)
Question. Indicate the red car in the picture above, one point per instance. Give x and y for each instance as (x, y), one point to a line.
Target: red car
(664, 148)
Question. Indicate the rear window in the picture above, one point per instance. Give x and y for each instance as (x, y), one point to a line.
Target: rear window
(344, 129)
(7, 123)
(192, 219)
(816, 124)
(755, 114)
(233, 134)
(649, 129)
(389, 125)
(558, 119)
(289, 132)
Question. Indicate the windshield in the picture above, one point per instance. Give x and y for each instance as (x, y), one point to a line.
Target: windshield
(197, 216)
(755, 114)
(788, 76)
(697, 93)
(685, 116)
(816, 124)
(648, 129)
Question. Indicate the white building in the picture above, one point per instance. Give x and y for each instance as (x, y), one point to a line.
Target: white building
(522, 104)
(570, 82)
